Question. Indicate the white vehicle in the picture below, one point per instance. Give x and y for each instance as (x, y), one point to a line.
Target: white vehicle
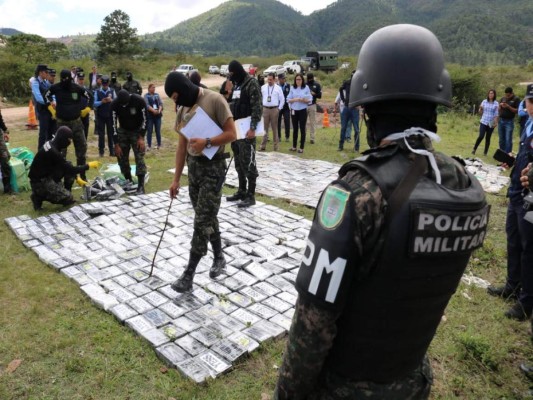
(345, 65)
(293, 66)
(223, 70)
(276, 69)
(186, 69)
(213, 69)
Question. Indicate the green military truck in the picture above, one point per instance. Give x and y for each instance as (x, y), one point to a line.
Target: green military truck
(322, 60)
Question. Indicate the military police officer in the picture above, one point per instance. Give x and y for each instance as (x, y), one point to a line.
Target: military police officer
(131, 85)
(51, 176)
(130, 111)
(246, 101)
(68, 101)
(205, 175)
(390, 238)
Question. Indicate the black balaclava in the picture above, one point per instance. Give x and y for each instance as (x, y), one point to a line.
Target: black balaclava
(113, 76)
(61, 139)
(238, 72)
(187, 91)
(393, 116)
(66, 78)
(123, 97)
(129, 76)
(310, 77)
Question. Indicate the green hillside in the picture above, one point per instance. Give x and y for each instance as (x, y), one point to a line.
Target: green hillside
(471, 31)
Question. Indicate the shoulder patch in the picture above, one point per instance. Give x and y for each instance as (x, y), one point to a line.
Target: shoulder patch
(332, 207)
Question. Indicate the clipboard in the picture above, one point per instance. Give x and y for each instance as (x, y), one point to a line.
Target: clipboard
(198, 124)
(242, 125)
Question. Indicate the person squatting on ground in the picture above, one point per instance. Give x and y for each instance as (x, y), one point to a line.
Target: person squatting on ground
(508, 109)
(51, 175)
(103, 96)
(205, 175)
(285, 112)
(299, 97)
(349, 116)
(68, 111)
(245, 102)
(316, 92)
(5, 157)
(154, 116)
(129, 110)
(383, 257)
(489, 119)
(273, 102)
(519, 282)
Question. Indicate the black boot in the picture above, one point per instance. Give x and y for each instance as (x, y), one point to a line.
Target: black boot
(184, 283)
(249, 200)
(37, 202)
(241, 193)
(140, 184)
(6, 181)
(219, 262)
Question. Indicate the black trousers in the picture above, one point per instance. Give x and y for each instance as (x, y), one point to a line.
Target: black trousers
(286, 115)
(299, 119)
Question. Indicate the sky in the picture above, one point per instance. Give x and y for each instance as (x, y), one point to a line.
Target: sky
(55, 18)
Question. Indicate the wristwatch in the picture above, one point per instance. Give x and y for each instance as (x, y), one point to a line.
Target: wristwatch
(208, 143)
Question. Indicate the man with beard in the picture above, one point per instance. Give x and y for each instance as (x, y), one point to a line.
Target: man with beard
(130, 111)
(49, 169)
(246, 102)
(131, 85)
(68, 110)
(205, 175)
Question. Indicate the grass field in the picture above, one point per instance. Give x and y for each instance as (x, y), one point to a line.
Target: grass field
(72, 350)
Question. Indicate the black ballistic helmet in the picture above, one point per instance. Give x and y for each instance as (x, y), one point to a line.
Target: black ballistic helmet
(401, 62)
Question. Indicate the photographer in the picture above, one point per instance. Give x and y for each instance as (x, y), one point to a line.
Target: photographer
(519, 282)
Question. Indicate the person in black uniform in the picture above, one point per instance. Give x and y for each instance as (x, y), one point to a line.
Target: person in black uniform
(285, 113)
(85, 117)
(390, 239)
(114, 83)
(51, 176)
(130, 111)
(68, 97)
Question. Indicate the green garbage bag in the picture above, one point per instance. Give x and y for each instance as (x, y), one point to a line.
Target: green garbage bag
(19, 175)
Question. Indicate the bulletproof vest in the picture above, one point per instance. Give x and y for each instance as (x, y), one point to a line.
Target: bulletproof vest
(391, 316)
(104, 109)
(240, 108)
(525, 156)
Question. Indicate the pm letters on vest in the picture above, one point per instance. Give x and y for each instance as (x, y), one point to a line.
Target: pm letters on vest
(322, 263)
(437, 232)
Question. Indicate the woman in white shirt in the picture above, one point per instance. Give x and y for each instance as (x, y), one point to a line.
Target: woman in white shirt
(299, 97)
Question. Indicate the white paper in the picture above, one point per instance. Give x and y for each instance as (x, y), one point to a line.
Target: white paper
(243, 125)
(202, 126)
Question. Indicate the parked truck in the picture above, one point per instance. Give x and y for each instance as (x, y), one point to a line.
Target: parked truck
(322, 60)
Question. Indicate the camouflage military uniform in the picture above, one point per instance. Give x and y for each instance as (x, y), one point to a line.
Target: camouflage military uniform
(79, 140)
(47, 189)
(204, 175)
(128, 140)
(4, 157)
(244, 149)
(314, 328)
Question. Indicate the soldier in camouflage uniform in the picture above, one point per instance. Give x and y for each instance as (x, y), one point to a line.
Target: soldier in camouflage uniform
(246, 102)
(51, 176)
(206, 175)
(4, 157)
(390, 238)
(130, 111)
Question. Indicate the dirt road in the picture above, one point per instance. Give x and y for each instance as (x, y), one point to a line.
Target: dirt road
(19, 115)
